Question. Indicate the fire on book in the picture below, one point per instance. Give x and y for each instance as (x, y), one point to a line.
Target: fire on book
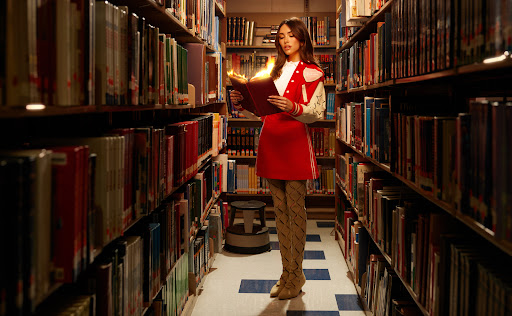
(262, 73)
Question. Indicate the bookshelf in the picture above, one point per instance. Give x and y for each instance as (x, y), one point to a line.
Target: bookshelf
(245, 131)
(113, 239)
(427, 80)
(463, 73)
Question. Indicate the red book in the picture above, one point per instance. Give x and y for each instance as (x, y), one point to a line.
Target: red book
(169, 171)
(178, 130)
(68, 208)
(255, 93)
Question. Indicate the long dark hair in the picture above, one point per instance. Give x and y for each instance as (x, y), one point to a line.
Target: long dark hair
(300, 31)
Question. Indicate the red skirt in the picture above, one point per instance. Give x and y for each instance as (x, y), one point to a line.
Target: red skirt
(285, 151)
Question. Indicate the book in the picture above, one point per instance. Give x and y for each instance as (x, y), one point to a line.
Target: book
(256, 92)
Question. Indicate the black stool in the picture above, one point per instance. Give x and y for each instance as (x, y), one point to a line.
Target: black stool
(247, 237)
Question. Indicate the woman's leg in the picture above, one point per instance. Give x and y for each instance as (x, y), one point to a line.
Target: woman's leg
(277, 188)
(296, 202)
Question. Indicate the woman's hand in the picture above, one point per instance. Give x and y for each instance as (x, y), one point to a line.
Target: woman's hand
(236, 96)
(281, 102)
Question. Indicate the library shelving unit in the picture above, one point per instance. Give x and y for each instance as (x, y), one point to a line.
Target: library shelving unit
(108, 215)
(422, 172)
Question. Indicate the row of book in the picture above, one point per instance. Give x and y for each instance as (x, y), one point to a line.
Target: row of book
(243, 141)
(433, 257)
(327, 63)
(459, 159)
(142, 66)
(323, 140)
(382, 290)
(330, 106)
(343, 31)
(240, 31)
(352, 173)
(358, 11)
(78, 194)
(174, 295)
(365, 126)
(324, 184)
(198, 16)
(318, 29)
(243, 180)
(384, 293)
(416, 42)
(107, 55)
(368, 61)
(130, 272)
(453, 33)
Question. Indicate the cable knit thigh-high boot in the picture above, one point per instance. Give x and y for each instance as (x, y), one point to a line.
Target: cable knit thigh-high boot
(295, 199)
(277, 187)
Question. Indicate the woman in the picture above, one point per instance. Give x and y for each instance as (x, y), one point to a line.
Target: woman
(285, 155)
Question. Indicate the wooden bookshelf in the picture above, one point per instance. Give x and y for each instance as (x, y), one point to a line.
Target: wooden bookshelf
(383, 166)
(455, 85)
(22, 112)
(28, 124)
(449, 208)
(457, 73)
(359, 290)
(156, 15)
(368, 27)
(53, 110)
(219, 10)
(404, 282)
(365, 88)
(389, 260)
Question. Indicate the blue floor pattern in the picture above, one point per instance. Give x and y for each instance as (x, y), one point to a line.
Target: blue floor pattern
(348, 302)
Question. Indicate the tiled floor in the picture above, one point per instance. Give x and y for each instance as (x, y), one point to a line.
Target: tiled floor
(239, 285)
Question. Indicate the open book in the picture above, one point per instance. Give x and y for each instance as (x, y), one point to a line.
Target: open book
(256, 92)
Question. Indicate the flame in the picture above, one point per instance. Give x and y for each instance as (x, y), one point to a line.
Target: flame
(261, 74)
(266, 72)
(232, 73)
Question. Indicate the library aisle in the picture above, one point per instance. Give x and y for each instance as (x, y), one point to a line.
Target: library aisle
(239, 285)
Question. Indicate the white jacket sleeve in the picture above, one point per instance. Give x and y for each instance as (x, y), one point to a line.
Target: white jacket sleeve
(314, 110)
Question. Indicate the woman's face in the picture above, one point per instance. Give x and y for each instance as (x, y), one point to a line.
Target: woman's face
(289, 43)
